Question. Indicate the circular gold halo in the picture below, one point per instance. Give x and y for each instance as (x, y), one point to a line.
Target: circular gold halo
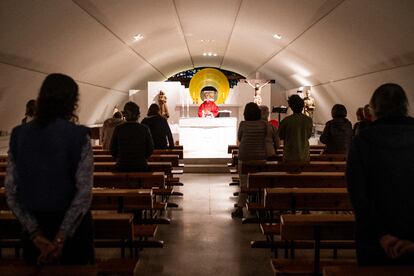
(209, 77)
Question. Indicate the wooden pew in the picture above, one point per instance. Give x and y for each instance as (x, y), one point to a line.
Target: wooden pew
(316, 228)
(114, 230)
(178, 152)
(103, 158)
(138, 180)
(313, 157)
(165, 167)
(144, 180)
(263, 180)
(299, 199)
(275, 166)
(101, 152)
(230, 148)
(307, 199)
(122, 200)
(120, 267)
(311, 151)
(3, 158)
(355, 270)
(257, 182)
(174, 159)
(10, 232)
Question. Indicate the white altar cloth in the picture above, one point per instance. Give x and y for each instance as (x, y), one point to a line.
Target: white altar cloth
(207, 137)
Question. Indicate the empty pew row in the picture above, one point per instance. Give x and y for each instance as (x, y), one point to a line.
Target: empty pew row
(155, 152)
(174, 159)
(120, 267)
(315, 228)
(279, 200)
(230, 148)
(257, 182)
(99, 147)
(275, 166)
(262, 180)
(355, 270)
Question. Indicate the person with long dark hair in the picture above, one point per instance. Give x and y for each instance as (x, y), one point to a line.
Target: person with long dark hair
(380, 181)
(50, 177)
(160, 130)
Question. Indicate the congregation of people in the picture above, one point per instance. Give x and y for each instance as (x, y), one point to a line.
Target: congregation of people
(380, 147)
(51, 147)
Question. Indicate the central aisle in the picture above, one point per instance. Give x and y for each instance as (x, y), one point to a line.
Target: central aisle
(202, 239)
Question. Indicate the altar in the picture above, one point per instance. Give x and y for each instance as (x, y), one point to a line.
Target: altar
(207, 137)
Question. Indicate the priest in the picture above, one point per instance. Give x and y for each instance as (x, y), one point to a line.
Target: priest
(208, 108)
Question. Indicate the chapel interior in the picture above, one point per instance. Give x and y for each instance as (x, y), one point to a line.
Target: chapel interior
(230, 52)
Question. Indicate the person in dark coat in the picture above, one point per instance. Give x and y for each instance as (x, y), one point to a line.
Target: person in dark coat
(380, 181)
(337, 134)
(131, 143)
(30, 111)
(50, 177)
(360, 117)
(160, 130)
(366, 121)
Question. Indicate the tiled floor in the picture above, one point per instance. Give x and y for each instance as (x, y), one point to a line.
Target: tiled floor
(202, 239)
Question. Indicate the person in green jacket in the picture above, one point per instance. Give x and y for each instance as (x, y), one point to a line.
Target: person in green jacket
(295, 131)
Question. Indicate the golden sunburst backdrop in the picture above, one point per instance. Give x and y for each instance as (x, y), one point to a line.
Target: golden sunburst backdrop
(209, 77)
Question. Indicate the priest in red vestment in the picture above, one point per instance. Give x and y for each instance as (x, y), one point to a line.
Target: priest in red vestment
(208, 108)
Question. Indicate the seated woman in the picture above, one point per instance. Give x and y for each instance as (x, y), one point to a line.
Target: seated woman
(337, 134)
(160, 130)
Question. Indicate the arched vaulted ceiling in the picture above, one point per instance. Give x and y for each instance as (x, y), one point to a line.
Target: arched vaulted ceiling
(323, 41)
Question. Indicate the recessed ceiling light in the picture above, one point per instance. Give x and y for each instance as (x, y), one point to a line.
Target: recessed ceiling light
(277, 36)
(138, 37)
(210, 54)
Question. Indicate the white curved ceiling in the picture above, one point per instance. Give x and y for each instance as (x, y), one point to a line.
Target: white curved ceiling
(323, 41)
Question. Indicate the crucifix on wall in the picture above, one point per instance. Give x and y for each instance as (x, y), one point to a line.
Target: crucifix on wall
(258, 84)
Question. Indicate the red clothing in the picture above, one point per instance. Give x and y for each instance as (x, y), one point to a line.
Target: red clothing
(275, 123)
(208, 106)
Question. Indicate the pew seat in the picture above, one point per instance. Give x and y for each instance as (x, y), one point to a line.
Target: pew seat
(286, 267)
(314, 228)
(355, 270)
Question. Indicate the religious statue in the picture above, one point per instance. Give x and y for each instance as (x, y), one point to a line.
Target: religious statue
(309, 104)
(208, 108)
(162, 102)
(258, 84)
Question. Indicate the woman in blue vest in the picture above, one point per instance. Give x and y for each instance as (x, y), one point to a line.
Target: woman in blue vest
(50, 178)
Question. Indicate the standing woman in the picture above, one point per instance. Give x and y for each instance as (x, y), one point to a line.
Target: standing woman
(160, 130)
(380, 181)
(50, 177)
(251, 137)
